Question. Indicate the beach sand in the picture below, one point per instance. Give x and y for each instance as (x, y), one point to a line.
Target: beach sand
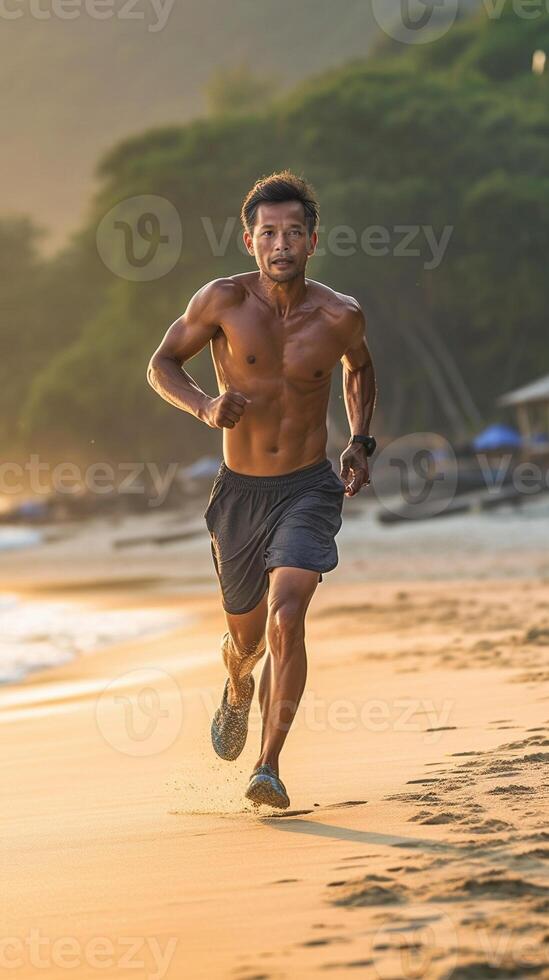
(417, 841)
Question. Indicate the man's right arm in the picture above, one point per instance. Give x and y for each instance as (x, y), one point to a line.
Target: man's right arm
(186, 337)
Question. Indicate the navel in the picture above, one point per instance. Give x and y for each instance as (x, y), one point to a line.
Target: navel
(251, 358)
(318, 374)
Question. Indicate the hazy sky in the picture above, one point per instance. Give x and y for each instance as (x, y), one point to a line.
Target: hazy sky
(72, 87)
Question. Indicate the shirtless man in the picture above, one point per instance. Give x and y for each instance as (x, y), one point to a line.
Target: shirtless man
(275, 506)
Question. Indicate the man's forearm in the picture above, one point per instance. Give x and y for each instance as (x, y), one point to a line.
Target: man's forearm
(175, 386)
(359, 392)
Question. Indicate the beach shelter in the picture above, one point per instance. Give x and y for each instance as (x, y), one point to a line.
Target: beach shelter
(531, 406)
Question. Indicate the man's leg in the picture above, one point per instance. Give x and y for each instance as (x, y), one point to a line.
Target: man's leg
(244, 647)
(285, 671)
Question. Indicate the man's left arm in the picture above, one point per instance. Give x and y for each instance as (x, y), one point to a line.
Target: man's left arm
(359, 392)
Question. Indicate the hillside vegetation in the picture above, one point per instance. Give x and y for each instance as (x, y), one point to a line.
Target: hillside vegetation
(438, 155)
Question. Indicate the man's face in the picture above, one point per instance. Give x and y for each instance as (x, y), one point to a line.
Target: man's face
(280, 240)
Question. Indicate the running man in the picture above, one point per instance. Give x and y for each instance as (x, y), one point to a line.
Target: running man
(275, 505)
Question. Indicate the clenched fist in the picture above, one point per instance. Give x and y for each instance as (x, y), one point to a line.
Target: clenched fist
(226, 410)
(354, 469)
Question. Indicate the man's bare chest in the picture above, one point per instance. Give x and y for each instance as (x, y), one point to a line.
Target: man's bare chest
(302, 349)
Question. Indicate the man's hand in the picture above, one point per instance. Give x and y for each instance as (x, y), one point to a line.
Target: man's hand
(225, 411)
(354, 469)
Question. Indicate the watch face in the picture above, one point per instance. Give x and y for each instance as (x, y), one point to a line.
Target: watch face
(368, 442)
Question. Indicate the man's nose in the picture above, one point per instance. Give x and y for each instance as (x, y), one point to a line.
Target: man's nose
(281, 244)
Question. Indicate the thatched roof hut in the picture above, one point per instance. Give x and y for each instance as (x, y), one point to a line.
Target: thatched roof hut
(531, 406)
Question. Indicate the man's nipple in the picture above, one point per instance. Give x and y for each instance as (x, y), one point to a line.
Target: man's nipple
(251, 358)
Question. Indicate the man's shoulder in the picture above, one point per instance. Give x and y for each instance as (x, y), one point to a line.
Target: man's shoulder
(223, 292)
(229, 292)
(345, 309)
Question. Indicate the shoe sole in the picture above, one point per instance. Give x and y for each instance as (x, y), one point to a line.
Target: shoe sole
(228, 754)
(264, 792)
(225, 754)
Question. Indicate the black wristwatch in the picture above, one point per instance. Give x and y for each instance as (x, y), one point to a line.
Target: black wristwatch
(367, 441)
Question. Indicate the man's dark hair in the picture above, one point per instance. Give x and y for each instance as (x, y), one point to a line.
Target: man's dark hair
(283, 186)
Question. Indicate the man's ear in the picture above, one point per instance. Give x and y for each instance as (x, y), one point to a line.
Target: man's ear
(248, 241)
(313, 242)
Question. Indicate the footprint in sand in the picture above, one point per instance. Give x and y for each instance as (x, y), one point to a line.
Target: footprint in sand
(537, 853)
(443, 728)
(410, 782)
(367, 891)
(324, 941)
(352, 964)
(424, 817)
(537, 635)
(483, 968)
(512, 789)
(533, 740)
(489, 827)
(358, 857)
(337, 806)
(286, 813)
(251, 976)
(495, 884)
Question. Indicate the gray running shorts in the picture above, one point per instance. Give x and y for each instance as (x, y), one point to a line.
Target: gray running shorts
(260, 522)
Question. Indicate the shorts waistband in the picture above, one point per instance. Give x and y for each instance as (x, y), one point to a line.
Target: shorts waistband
(272, 482)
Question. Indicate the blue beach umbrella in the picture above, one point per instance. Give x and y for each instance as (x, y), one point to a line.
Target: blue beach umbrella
(497, 437)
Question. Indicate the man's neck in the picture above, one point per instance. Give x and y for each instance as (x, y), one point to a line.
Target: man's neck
(283, 297)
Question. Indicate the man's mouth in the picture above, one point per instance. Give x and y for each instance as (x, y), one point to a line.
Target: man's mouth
(282, 262)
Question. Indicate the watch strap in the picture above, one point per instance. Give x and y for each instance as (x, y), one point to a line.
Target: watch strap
(368, 441)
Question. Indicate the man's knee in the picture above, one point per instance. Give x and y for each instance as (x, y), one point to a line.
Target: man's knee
(247, 631)
(286, 621)
(290, 592)
(247, 646)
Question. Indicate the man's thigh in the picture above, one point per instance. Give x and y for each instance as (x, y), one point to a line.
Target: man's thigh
(291, 588)
(304, 535)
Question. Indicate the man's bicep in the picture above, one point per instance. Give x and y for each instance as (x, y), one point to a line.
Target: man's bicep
(358, 353)
(192, 331)
(185, 338)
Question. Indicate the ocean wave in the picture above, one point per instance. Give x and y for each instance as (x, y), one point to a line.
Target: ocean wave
(36, 634)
